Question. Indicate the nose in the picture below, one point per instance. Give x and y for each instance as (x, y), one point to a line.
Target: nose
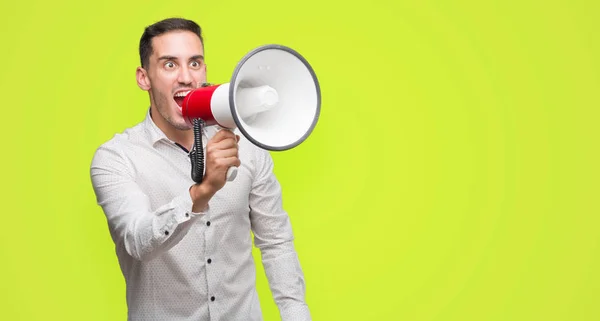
(185, 76)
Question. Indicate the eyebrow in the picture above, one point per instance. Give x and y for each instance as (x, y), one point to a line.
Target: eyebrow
(167, 57)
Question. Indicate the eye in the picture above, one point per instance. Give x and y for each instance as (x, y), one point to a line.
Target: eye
(195, 64)
(169, 65)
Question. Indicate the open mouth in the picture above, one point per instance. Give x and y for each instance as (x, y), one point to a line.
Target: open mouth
(179, 96)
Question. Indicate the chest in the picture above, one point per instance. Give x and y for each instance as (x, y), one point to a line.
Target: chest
(164, 173)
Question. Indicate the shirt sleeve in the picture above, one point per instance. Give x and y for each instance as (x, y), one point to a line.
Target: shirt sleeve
(144, 233)
(273, 236)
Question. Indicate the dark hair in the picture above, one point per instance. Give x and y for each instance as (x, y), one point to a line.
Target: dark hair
(164, 26)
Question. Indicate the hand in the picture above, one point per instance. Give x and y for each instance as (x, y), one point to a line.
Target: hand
(221, 153)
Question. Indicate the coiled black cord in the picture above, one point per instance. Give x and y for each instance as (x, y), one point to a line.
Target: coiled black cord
(197, 153)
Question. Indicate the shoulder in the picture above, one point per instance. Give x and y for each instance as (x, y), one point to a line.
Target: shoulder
(116, 147)
(252, 151)
(258, 160)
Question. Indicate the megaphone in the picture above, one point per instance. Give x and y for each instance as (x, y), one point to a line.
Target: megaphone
(273, 98)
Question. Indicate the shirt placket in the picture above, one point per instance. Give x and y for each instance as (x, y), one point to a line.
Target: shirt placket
(209, 263)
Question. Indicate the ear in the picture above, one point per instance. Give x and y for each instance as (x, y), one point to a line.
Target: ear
(143, 81)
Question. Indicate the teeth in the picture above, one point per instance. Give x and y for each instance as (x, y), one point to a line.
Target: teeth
(182, 94)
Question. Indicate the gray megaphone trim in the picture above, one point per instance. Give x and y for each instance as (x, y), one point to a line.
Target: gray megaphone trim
(232, 101)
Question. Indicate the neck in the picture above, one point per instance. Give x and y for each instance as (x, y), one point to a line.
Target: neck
(184, 138)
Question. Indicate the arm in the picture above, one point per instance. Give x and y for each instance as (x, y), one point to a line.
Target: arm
(144, 233)
(273, 236)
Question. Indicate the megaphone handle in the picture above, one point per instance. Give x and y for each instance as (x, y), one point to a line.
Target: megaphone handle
(197, 156)
(231, 173)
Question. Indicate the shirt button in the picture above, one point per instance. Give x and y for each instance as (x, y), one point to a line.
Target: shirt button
(208, 223)
(166, 232)
(209, 261)
(212, 298)
(187, 214)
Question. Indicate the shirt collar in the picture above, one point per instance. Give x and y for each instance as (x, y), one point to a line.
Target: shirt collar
(155, 134)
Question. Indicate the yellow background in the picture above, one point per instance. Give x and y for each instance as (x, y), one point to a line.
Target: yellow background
(453, 174)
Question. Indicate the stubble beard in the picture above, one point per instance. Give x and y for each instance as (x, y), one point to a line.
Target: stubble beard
(163, 104)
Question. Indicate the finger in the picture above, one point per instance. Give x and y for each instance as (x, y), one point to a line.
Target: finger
(234, 161)
(226, 162)
(224, 144)
(224, 153)
(223, 134)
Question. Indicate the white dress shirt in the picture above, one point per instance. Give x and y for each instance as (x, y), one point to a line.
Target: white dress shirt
(180, 265)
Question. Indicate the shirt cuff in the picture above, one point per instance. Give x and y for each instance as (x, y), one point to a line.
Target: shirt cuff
(180, 211)
(295, 312)
(183, 207)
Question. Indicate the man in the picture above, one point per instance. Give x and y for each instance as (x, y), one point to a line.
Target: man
(185, 248)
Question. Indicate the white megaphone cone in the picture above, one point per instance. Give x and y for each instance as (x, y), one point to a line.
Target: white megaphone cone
(273, 98)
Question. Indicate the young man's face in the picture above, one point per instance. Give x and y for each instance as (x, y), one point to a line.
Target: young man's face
(176, 66)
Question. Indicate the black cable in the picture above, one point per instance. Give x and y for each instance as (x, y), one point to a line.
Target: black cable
(197, 153)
